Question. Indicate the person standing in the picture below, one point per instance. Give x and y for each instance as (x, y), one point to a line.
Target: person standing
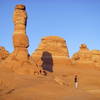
(76, 81)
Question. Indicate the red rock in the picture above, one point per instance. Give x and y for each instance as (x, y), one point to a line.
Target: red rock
(3, 53)
(84, 55)
(51, 51)
(19, 60)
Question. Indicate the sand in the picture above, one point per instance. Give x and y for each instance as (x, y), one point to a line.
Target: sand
(25, 87)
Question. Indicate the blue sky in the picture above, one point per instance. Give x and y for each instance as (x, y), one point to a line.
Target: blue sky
(77, 21)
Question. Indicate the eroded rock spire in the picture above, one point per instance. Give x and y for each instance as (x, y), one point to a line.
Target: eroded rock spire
(19, 60)
(20, 39)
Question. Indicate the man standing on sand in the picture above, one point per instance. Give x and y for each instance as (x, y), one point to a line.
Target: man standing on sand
(76, 81)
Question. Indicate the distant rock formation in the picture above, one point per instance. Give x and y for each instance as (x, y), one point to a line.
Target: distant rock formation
(96, 57)
(84, 55)
(52, 50)
(3, 53)
(19, 61)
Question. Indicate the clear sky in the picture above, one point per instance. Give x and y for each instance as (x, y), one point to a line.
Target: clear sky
(77, 21)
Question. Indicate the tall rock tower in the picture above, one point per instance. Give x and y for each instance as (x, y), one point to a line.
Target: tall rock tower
(19, 60)
(20, 39)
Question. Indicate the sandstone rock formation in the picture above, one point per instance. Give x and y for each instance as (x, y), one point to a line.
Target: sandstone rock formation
(3, 53)
(52, 50)
(53, 44)
(20, 39)
(96, 57)
(84, 55)
(19, 61)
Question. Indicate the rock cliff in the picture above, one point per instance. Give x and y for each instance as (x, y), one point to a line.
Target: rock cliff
(53, 44)
(52, 50)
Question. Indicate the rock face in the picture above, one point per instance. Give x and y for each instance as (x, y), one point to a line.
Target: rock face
(3, 53)
(84, 55)
(96, 57)
(53, 44)
(20, 39)
(50, 52)
(19, 60)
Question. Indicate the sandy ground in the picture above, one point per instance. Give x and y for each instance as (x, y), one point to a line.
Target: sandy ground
(24, 87)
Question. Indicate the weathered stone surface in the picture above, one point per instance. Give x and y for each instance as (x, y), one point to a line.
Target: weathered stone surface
(53, 44)
(20, 19)
(96, 57)
(19, 60)
(20, 40)
(3, 53)
(51, 51)
(84, 55)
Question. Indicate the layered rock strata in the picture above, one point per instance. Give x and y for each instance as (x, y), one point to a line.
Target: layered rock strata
(84, 55)
(52, 50)
(20, 39)
(19, 61)
(53, 44)
(96, 57)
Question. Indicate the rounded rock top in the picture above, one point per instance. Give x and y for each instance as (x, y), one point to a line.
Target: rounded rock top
(83, 46)
(20, 6)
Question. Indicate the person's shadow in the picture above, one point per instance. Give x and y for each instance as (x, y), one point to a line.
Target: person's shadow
(47, 61)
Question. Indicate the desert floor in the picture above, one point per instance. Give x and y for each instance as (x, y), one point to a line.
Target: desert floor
(58, 85)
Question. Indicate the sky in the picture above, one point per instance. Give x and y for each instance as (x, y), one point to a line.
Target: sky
(77, 21)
